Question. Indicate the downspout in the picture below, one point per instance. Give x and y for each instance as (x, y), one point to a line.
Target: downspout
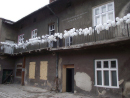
(57, 55)
(56, 16)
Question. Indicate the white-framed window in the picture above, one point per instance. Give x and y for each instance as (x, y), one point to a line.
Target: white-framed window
(19, 70)
(68, 41)
(21, 38)
(103, 13)
(34, 33)
(106, 73)
(51, 32)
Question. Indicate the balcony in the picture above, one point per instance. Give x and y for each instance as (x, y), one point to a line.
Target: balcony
(114, 34)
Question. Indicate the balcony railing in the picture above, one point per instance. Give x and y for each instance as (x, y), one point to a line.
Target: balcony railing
(114, 34)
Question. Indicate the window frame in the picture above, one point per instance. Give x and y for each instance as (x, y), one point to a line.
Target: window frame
(109, 69)
(18, 68)
(51, 29)
(21, 40)
(68, 41)
(105, 13)
(34, 33)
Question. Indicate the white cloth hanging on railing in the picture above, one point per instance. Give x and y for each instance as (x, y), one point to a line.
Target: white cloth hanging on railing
(71, 33)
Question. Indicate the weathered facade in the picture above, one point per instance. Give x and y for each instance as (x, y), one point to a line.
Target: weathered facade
(96, 64)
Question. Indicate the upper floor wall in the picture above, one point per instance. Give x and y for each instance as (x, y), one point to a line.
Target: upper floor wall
(65, 15)
(80, 12)
(75, 14)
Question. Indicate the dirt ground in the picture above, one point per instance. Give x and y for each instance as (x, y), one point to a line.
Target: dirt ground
(18, 91)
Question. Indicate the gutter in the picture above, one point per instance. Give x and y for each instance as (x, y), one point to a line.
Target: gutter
(57, 55)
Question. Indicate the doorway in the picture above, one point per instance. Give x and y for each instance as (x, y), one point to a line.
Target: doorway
(68, 78)
(6, 78)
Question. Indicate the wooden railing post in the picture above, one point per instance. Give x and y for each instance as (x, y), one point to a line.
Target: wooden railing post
(94, 34)
(128, 30)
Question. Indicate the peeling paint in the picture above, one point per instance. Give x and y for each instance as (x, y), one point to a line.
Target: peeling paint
(102, 93)
(36, 84)
(25, 82)
(126, 91)
(75, 92)
(59, 68)
(121, 81)
(83, 81)
(25, 72)
(49, 84)
(44, 83)
(125, 10)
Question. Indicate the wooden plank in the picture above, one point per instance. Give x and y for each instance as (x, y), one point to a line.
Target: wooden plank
(32, 70)
(43, 70)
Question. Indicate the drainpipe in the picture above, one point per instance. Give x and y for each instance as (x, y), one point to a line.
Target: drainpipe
(56, 16)
(57, 55)
(23, 71)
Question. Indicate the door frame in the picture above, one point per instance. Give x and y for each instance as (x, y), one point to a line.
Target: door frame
(64, 76)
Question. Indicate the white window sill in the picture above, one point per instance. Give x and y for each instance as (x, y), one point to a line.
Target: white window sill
(106, 86)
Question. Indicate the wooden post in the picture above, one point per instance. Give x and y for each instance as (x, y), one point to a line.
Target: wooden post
(23, 71)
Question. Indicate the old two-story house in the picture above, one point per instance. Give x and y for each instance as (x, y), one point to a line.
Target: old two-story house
(79, 46)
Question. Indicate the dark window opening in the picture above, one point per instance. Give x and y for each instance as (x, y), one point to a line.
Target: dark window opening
(7, 76)
(18, 72)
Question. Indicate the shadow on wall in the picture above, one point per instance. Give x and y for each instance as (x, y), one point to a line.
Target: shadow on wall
(125, 10)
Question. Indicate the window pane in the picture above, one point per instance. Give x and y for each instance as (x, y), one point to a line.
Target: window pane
(113, 64)
(53, 26)
(103, 19)
(52, 32)
(110, 16)
(35, 31)
(99, 78)
(98, 64)
(18, 72)
(97, 20)
(110, 7)
(67, 39)
(105, 63)
(96, 11)
(106, 78)
(114, 78)
(103, 9)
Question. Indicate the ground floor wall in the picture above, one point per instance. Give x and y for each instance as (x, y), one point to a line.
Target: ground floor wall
(40, 70)
(6, 68)
(84, 70)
